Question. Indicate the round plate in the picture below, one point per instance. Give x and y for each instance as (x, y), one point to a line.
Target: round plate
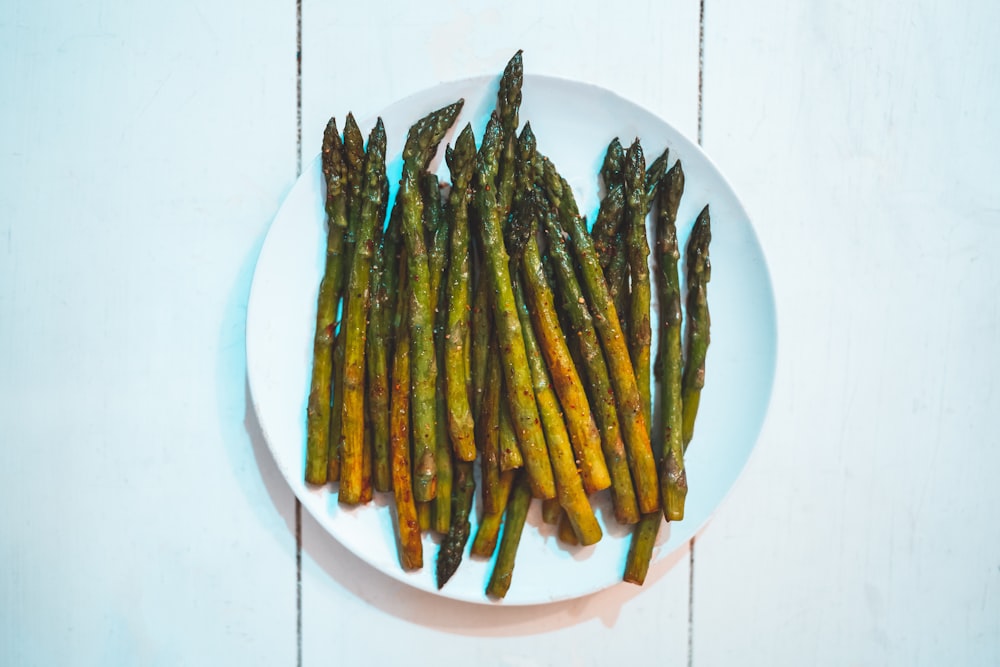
(574, 123)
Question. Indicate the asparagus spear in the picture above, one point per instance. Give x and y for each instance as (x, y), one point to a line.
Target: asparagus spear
(640, 453)
(640, 550)
(481, 336)
(489, 525)
(673, 478)
(408, 526)
(640, 336)
(354, 161)
(583, 433)
(616, 274)
(551, 509)
(379, 346)
(569, 486)
(517, 512)
(454, 542)
(508, 450)
(654, 174)
(508, 103)
(336, 413)
(318, 410)
(355, 322)
(565, 531)
(609, 216)
(461, 426)
(437, 228)
(605, 409)
(488, 427)
(421, 144)
(699, 272)
(524, 411)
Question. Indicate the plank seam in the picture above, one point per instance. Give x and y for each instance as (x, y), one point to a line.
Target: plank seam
(298, 172)
(701, 89)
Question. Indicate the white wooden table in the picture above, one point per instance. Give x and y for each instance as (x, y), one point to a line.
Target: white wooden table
(145, 149)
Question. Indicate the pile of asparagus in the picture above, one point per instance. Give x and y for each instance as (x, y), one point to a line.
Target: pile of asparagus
(488, 323)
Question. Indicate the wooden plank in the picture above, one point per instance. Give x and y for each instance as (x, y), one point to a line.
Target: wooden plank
(144, 152)
(401, 49)
(863, 140)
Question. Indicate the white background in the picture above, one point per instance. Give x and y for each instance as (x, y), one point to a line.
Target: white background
(144, 150)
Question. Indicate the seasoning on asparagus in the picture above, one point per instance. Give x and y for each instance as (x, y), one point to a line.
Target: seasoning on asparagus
(610, 213)
(318, 410)
(654, 174)
(509, 453)
(437, 228)
(408, 526)
(421, 144)
(461, 426)
(453, 545)
(508, 104)
(605, 409)
(640, 550)
(385, 274)
(488, 430)
(673, 478)
(580, 425)
(637, 446)
(524, 411)
(569, 487)
(639, 333)
(355, 322)
(517, 512)
(699, 272)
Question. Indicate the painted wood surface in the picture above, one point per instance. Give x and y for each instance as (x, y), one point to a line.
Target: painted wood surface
(143, 155)
(863, 142)
(144, 151)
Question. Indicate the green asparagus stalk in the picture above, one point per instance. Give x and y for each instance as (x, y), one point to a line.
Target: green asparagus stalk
(424, 515)
(336, 413)
(699, 272)
(318, 410)
(640, 550)
(509, 451)
(453, 545)
(565, 532)
(517, 512)
(354, 165)
(461, 426)
(488, 428)
(605, 409)
(551, 509)
(654, 174)
(385, 272)
(639, 332)
(508, 104)
(481, 336)
(367, 464)
(569, 487)
(437, 228)
(583, 433)
(524, 411)
(421, 144)
(640, 454)
(610, 214)
(616, 274)
(355, 322)
(489, 525)
(673, 478)
(408, 527)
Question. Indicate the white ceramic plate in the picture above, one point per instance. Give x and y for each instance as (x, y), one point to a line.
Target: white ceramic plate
(574, 123)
